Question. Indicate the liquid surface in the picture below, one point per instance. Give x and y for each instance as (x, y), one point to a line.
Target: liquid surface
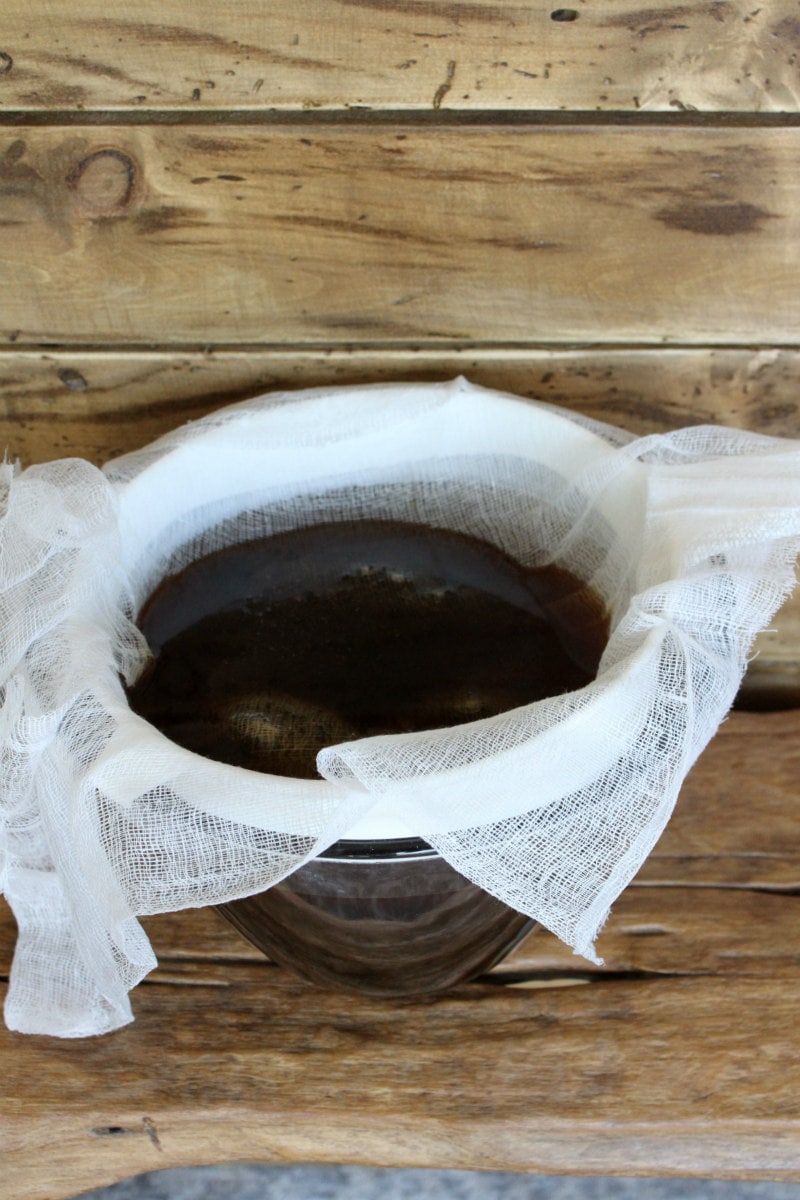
(267, 651)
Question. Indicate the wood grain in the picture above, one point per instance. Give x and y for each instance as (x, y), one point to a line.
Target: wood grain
(686, 1077)
(97, 404)
(677, 1058)
(342, 235)
(469, 55)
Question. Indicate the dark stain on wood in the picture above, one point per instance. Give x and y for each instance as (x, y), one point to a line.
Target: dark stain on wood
(168, 217)
(655, 20)
(359, 228)
(15, 151)
(215, 144)
(724, 220)
(6, 63)
(768, 414)
(19, 178)
(455, 13)
(11, 166)
(113, 1131)
(86, 65)
(156, 33)
(148, 1128)
(55, 94)
(161, 33)
(520, 243)
(788, 30)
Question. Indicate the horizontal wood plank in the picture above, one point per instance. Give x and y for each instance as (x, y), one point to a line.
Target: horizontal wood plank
(674, 931)
(97, 405)
(243, 235)
(472, 54)
(665, 1077)
(691, 930)
(267, 1040)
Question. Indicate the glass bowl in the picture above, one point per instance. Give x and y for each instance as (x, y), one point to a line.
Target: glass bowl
(387, 918)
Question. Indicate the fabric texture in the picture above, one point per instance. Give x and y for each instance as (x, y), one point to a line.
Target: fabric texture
(690, 538)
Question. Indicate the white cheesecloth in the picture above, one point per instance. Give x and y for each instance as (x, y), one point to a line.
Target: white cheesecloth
(690, 538)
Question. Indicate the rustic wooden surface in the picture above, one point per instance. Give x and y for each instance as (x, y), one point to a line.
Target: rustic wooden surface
(202, 202)
(334, 234)
(98, 404)
(677, 1057)
(192, 56)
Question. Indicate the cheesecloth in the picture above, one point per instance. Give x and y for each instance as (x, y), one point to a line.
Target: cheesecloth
(689, 537)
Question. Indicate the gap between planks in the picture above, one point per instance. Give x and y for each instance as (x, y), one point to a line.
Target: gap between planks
(430, 350)
(357, 115)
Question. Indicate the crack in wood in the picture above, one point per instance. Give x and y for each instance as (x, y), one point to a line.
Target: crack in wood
(779, 889)
(565, 978)
(432, 348)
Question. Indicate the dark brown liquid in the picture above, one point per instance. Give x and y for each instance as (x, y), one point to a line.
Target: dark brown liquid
(267, 651)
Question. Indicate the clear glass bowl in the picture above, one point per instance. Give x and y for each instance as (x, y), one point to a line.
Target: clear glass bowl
(387, 918)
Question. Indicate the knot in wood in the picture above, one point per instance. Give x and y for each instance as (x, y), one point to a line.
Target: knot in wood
(104, 181)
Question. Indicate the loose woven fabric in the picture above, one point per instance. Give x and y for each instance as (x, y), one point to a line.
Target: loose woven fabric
(691, 538)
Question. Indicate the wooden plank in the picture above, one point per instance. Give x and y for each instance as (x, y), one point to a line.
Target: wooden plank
(674, 931)
(466, 55)
(669, 1077)
(718, 894)
(695, 930)
(690, 930)
(680, 1058)
(736, 818)
(334, 235)
(97, 405)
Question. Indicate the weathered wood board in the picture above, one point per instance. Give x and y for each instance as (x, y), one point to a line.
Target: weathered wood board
(333, 235)
(99, 404)
(687, 1077)
(678, 1057)
(195, 55)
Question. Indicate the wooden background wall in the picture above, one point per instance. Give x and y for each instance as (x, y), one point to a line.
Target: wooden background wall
(597, 205)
